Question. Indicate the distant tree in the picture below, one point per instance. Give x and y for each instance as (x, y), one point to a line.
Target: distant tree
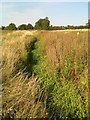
(81, 27)
(56, 28)
(11, 26)
(42, 24)
(2, 27)
(22, 27)
(70, 27)
(46, 18)
(51, 27)
(29, 26)
(88, 23)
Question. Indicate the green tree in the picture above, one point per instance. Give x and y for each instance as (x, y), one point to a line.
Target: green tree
(88, 23)
(2, 27)
(42, 24)
(11, 26)
(29, 26)
(22, 27)
(70, 27)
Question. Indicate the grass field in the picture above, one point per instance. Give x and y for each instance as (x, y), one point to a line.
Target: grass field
(45, 74)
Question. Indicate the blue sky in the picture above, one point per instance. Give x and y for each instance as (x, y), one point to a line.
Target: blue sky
(59, 13)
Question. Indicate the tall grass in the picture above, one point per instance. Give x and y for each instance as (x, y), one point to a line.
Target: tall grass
(20, 88)
(66, 52)
(45, 74)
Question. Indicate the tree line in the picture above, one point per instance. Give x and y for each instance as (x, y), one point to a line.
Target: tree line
(43, 24)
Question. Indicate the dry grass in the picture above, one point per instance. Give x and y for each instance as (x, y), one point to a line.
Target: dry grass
(20, 97)
(20, 92)
(63, 44)
(66, 53)
(14, 49)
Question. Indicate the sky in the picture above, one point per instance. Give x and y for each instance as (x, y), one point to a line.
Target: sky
(59, 13)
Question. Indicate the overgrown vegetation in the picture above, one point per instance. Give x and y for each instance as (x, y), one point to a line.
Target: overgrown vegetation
(45, 74)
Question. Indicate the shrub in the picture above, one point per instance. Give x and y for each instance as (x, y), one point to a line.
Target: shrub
(42, 24)
(29, 26)
(22, 27)
(11, 26)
